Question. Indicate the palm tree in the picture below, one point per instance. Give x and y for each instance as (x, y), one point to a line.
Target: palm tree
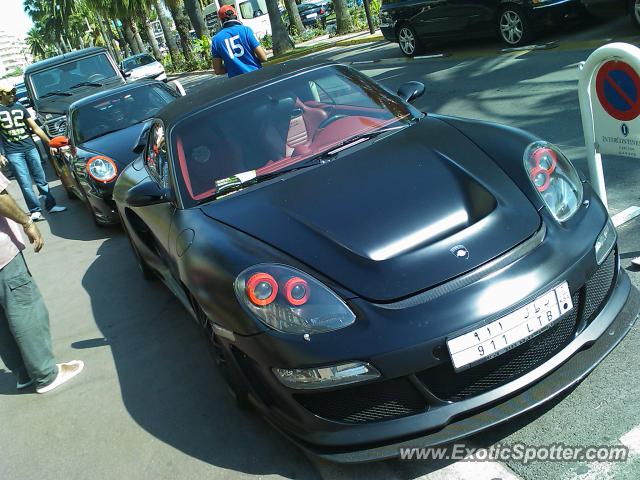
(295, 22)
(344, 24)
(39, 44)
(196, 15)
(182, 26)
(281, 40)
(168, 33)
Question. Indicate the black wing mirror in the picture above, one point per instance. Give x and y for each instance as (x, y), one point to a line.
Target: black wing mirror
(146, 193)
(141, 143)
(410, 91)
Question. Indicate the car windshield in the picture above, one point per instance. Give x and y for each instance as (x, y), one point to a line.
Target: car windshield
(137, 61)
(118, 111)
(60, 78)
(275, 127)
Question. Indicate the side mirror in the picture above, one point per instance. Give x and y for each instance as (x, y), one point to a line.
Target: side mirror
(126, 74)
(410, 91)
(26, 102)
(141, 143)
(59, 142)
(146, 193)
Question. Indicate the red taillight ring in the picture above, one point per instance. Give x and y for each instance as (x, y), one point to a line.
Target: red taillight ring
(105, 159)
(537, 156)
(535, 172)
(288, 289)
(254, 281)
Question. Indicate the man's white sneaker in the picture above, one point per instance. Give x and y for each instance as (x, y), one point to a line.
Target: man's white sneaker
(56, 209)
(66, 371)
(37, 216)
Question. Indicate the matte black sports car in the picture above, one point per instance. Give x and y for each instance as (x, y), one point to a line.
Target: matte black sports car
(103, 130)
(370, 275)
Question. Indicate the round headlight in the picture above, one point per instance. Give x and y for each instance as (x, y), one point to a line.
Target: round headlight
(102, 168)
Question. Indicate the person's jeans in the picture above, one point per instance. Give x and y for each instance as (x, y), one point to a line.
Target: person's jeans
(25, 166)
(25, 341)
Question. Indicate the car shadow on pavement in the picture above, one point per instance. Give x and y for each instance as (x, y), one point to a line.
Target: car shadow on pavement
(168, 381)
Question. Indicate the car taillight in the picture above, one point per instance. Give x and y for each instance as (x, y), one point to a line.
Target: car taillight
(322, 11)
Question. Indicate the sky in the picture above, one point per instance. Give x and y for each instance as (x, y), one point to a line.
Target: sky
(13, 19)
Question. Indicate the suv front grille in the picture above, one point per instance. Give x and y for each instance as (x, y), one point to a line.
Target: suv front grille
(56, 126)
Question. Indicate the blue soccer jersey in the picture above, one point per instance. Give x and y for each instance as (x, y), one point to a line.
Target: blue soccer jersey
(235, 45)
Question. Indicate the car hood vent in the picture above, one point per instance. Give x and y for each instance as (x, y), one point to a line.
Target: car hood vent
(392, 219)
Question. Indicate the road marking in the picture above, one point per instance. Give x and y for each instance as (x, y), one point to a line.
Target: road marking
(543, 46)
(631, 440)
(435, 55)
(626, 215)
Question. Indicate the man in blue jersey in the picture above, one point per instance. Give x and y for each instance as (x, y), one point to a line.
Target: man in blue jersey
(235, 49)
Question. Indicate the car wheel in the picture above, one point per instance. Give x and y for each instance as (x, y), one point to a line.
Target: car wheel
(634, 12)
(408, 41)
(235, 385)
(513, 26)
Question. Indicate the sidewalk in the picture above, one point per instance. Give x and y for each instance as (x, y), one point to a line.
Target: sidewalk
(322, 42)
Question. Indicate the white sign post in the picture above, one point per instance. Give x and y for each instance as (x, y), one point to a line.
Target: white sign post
(609, 90)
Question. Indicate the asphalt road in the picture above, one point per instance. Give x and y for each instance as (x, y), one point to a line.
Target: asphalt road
(151, 403)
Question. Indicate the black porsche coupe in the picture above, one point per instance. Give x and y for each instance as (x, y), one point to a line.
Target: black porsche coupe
(371, 276)
(103, 130)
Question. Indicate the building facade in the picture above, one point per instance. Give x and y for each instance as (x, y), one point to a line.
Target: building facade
(14, 53)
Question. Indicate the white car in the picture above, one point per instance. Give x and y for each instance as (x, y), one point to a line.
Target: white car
(142, 65)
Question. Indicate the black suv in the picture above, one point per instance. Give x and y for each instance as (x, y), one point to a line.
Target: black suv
(55, 83)
(412, 23)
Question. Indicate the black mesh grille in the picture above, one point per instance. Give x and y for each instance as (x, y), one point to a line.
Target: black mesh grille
(445, 383)
(372, 402)
(599, 286)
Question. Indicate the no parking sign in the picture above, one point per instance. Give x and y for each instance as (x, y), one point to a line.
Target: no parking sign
(609, 91)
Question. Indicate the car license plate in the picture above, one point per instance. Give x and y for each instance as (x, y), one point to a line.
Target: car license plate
(312, 15)
(511, 330)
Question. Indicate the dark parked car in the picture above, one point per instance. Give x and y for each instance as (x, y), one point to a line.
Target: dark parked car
(414, 23)
(369, 275)
(311, 13)
(103, 131)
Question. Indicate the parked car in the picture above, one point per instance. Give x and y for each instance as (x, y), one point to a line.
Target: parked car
(103, 131)
(55, 83)
(311, 13)
(371, 276)
(413, 24)
(143, 65)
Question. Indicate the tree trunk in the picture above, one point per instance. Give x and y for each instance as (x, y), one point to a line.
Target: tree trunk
(131, 39)
(122, 41)
(152, 41)
(194, 10)
(168, 34)
(182, 25)
(344, 24)
(295, 22)
(279, 35)
(137, 37)
(105, 36)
